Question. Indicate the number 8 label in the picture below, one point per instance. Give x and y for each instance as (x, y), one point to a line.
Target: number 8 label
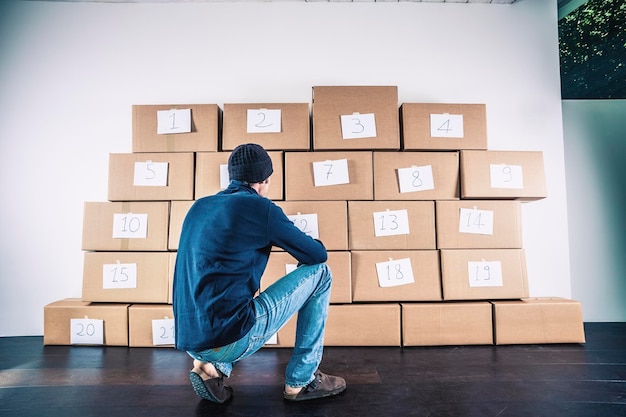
(395, 273)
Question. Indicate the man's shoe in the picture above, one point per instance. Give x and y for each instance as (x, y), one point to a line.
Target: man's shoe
(322, 386)
(212, 389)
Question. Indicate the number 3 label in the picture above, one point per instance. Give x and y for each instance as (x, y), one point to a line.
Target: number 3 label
(358, 126)
(395, 273)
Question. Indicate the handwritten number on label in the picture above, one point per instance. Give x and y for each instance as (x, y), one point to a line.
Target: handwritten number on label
(88, 330)
(260, 123)
(445, 127)
(393, 221)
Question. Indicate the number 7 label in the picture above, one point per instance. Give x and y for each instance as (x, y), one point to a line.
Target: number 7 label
(331, 172)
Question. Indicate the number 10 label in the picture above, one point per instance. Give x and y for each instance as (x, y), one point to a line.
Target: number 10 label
(395, 272)
(130, 225)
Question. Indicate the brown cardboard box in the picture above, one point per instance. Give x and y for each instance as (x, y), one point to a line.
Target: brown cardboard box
(398, 224)
(435, 175)
(538, 320)
(503, 174)
(485, 281)
(363, 325)
(178, 212)
(171, 276)
(441, 324)
(144, 182)
(332, 220)
(475, 224)
(101, 232)
(202, 138)
(332, 102)
(127, 277)
(286, 336)
(58, 316)
(141, 319)
(210, 180)
(294, 132)
(465, 128)
(300, 179)
(339, 263)
(366, 278)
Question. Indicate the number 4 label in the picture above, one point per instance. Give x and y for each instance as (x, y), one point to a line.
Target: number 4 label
(446, 125)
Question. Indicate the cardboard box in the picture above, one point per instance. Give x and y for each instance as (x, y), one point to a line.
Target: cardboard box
(439, 126)
(483, 274)
(178, 212)
(416, 176)
(151, 176)
(203, 136)
(339, 263)
(340, 176)
(442, 324)
(502, 175)
(212, 174)
(286, 336)
(386, 276)
(125, 226)
(127, 277)
(363, 325)
(370, 117)
(112, 326)
(145, 319)
(274, 126)
(332, 220)
(538, 320)
(477, 224)
(377, 225)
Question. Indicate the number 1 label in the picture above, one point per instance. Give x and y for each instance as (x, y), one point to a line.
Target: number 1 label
(173, 121)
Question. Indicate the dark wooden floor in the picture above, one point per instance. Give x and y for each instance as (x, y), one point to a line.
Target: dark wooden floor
(527, 380)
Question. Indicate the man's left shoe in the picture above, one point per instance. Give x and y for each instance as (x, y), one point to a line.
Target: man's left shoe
(212, 389)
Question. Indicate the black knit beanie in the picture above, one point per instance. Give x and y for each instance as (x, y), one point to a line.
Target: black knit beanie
(249, 163)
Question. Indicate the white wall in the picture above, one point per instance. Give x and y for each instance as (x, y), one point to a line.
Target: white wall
(594, 149)
(70, 72)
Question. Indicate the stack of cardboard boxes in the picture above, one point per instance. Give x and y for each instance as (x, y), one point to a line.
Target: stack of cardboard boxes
(422, 222)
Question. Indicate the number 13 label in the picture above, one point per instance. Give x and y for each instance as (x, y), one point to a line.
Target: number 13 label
(391, 223)
(395, 272)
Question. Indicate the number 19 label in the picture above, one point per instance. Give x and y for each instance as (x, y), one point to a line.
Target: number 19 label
(395, 272)
(484, 274)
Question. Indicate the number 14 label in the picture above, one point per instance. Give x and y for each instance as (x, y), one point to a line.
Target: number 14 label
(395, 272)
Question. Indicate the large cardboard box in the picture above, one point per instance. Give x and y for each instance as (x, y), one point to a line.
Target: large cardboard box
(411, 275)
(538, 320)
(125, 226)
(355, 117)
(483, 274)
(377, 225)
(323, 220)
(202, 137)
(363, 325)
(416, 176)
(69, 322)
(178, 212)
(128, 277)
(275, 126)
(441, 324)
(151, 325)
(281, 263)
(151, 176)
(212, 174)
(328, 176)
(443, 126)
(502, 174)
(474, 224)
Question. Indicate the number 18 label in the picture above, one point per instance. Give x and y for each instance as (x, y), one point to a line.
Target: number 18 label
(395, 272)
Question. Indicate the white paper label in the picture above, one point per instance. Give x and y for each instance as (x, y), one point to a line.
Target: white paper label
(506, 176)
(273, 340)
(224, 176)
(119, 275)
(150, 174)
(264, 121)
(391, 223)
(358, 126)
(395, 272)
(289, 268)
(331, 172)
(163, 332)
(416, 179)
(130, 225)
(446, 125)
(86, 331)
(307, 223)
(475, 221)
(484, 274)
(173, 121)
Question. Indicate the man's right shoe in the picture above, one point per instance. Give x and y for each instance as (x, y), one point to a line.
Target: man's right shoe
(322, 386)
(212, 389)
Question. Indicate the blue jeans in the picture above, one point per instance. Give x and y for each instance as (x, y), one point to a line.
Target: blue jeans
(305, 291)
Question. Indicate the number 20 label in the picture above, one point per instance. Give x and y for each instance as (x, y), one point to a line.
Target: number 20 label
(395, 273)
(86, 331)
